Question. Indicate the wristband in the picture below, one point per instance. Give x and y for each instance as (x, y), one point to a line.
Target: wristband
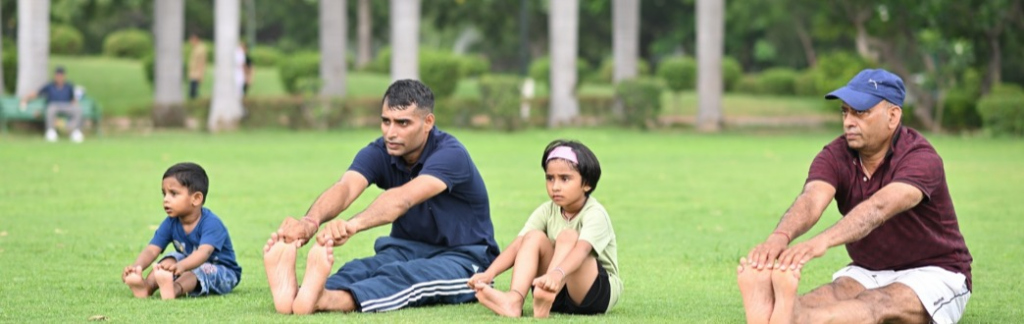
(559, 269)
(788, 239)
(312, 220)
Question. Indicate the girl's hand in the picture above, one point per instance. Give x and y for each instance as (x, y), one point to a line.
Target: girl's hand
(479, 280)
(552, 281)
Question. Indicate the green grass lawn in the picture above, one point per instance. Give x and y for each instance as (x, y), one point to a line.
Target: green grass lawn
(684, 207)
(120, 86)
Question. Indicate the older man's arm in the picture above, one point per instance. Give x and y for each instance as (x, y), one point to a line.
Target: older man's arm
(797, 220)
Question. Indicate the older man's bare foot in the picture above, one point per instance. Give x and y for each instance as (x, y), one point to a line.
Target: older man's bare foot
(164, 280)
(137, 285)
(756, 288)
(318, 268)
(785, 285)
(279, 263)
(508, 304)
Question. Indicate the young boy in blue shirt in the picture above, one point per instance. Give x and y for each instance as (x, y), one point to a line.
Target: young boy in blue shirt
(204, 259)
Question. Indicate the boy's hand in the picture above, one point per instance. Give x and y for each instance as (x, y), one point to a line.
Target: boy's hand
(294, 229)
(338, 231)
(552, 281)
(479, 280)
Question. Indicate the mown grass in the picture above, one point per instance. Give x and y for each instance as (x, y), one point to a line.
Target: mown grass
(684, 207)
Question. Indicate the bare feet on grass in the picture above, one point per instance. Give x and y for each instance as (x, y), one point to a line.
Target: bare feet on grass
(164, 280)
(509, 304)
(137, 285)
(785, 284)
(542, 300)
(279, 263)
(756, 288)
(318, 267)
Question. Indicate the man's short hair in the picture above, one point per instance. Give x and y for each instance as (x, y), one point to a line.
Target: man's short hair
(191, 176)
(588, 166)
(404, 93)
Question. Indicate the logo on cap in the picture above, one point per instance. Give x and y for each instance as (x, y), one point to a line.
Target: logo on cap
(874, 82)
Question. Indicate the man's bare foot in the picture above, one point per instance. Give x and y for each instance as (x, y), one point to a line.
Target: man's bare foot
(279, 263)
(164, 280)
(318, 268)
(509, 304)
(785, 284)
(542, 300)
(137, 284)
(756, 288)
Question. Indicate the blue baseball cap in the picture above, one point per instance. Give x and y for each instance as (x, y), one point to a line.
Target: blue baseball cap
(869, 88)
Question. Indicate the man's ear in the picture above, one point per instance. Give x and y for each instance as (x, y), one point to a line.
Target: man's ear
(895, 114)
(429, 121)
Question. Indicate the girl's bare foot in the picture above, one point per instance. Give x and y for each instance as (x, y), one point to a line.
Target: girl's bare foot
(508, 304)
(542, 300)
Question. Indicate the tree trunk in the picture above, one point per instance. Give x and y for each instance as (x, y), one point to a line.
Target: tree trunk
(563, 26)
(710, 46)
(807, 43)
(405, 39)
(333, 38)
(995, 63)
(33, 45)
(3, 86)
(925, 103)
(365, 31)
(226, 106)
(250, 23)
(168, 31)
(625, 44)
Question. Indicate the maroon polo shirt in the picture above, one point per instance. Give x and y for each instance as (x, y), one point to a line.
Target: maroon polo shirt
(927, 234)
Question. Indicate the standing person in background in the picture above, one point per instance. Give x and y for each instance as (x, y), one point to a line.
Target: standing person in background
(196, 65)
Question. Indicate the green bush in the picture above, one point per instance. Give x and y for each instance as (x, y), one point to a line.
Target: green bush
(149, 67)
(1006, 89)
(10, 62)
(299, 66)
(474, 65)
(441, 71)
(834, 70)
(501, 95)
(777, 81)
(732, 71)
(65, 39)
(264, 56)
(960, 111)
(380, 63)
(749, 84)
(540, 70)
(641, 100)
(1003, 113)
(804, 84)
(607, 70)
(130, 43)
(679, 73)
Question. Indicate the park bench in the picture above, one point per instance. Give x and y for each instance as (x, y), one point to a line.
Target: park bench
(35, 111)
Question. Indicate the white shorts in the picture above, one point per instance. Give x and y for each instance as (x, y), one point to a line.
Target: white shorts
(944, 294)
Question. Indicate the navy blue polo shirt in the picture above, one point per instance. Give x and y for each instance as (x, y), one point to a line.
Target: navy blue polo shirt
(458, 216)
(53, 93)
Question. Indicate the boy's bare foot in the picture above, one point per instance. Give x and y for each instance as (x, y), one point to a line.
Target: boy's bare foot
(756, 288)
(508, 304)
(318, 268)
(164, 280)
(542, 300)
(785, 284)
(279, 263)
(137, 284)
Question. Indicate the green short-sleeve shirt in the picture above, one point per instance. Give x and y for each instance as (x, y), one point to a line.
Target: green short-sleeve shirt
(593, 225)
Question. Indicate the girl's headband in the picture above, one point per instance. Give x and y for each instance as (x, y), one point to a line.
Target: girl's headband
(563, 152)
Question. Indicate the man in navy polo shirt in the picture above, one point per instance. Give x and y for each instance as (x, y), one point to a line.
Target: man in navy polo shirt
(435, 201)
(910, 261)
(60, 99)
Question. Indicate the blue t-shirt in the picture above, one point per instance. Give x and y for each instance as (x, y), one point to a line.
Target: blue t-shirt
(210, 230)
(53, 93)
(460, 215)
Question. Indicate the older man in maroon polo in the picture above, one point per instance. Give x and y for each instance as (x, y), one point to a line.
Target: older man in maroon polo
(910, 261)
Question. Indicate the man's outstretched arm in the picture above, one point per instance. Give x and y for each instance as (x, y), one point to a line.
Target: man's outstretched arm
(798, 219)
(891, 200)
(331, 202)
(390, 205)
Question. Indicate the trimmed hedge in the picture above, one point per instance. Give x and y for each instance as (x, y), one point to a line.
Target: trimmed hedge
(10, 62)
(441, 71)
(732, 71)
(501, 95)
(1003, 113)
(129, 43)
(65, 39)
(264, 56)
(960, 111)
(641, 101)
(607, 70)
(540, 70)
(777, 81)
(299, 66)
(474, 65)
(679, 73)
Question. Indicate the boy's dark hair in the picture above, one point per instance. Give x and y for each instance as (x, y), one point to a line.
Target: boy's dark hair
(191, 176)
(588, 167)
(404, 93)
